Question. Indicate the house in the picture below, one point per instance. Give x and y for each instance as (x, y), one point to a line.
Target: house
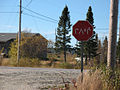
(7, 38)
(5, 41)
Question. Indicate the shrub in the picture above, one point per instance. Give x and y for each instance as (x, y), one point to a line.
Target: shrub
(66, 66)
(32, 46)
(111, 78)
(25, 62)
(100, 79)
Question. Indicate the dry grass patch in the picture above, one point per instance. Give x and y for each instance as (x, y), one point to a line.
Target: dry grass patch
(90, 81)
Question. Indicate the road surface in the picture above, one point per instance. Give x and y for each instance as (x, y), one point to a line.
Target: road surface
(26, 78)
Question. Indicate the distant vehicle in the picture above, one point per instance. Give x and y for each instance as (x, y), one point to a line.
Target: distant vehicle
(78, 59)
(4, 55)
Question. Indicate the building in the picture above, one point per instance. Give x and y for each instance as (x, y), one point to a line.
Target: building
(7, 38)
(5, 41)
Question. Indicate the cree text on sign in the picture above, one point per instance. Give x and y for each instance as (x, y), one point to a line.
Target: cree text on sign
(82, 30)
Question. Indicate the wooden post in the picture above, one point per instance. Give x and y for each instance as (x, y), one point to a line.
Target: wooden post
(19, 33)
(111, 57)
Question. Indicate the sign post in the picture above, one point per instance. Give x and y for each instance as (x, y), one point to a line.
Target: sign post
(81, 61)
(82, 31)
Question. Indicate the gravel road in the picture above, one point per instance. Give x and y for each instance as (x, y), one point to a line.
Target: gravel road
(25, 78)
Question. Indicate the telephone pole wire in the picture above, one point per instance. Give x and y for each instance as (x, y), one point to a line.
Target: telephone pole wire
(19, 33)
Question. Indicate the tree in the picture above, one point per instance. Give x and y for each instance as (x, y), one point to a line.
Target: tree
(99, 51)
(63, 37)
(78, 48)
(111, 57)
(50, 46)
(32, 46)
(105, 50)
(91, 44)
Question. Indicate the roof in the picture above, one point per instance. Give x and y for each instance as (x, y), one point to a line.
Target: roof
(4, 37)
(7, 36)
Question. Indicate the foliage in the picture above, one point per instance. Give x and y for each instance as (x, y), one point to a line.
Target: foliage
(25, 62)
(104, 50)
(99, 52)
(91, 44)
(66, 65)
(31, 46)
(63, 36)
(78, 48)
(111, 78)
(1, 50)
(34, 47)
(102, 78)
(50, 46)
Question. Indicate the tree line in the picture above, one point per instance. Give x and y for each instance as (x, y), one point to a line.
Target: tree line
(34, 47)
(93, 48)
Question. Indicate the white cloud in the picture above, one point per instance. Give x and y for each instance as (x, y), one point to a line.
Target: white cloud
(4, 27)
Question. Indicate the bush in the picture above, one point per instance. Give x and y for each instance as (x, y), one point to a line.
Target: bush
(91, 81)
(66, 66)
(34, 46)
(111, 78)
(99, 79)
(25, 62)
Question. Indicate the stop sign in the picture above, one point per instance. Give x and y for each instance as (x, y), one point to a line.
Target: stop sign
(82, 30)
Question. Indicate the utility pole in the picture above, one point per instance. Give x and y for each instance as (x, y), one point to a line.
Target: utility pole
(111, 57)
(19, 33)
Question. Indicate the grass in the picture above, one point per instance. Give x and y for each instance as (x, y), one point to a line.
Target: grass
(53, 61)
(99, 79)
(1, 60)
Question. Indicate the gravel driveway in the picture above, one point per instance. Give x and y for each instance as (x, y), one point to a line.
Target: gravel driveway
(25, 78)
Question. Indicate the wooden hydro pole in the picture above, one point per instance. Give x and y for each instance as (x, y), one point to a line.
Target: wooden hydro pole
(19, 33)
(111, 57)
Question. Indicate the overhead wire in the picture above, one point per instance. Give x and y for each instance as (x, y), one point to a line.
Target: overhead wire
(29, 3)
(37, 17)
(40, 14)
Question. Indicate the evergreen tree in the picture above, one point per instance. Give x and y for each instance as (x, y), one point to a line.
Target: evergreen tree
(63, 37)
(98, 49)
(78, 48)
(92, 44)
(105, 50)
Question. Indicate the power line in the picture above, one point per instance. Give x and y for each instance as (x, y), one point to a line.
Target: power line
(29, 3)
(40, 14)
(101, 29)
(9, 12)
(38, 17)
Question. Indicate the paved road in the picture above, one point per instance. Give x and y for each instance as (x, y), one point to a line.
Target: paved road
(24, 78)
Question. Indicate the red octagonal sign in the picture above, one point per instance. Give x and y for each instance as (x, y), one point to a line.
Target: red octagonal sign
(82, 30)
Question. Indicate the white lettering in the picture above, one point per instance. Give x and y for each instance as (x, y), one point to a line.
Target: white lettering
(77, 29)
(82, 31)
(88, 30)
